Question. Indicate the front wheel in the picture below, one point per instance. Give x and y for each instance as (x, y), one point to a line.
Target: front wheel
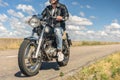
(28, 65)
(66, 52)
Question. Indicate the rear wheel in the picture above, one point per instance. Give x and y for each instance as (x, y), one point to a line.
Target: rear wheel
(28, 64)
(66, 52)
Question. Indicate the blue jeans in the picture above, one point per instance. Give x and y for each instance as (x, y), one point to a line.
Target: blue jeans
(58, 33)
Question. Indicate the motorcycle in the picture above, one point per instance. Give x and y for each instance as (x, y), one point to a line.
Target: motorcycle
(42, 47)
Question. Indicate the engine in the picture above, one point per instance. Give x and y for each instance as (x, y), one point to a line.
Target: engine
(50, 48)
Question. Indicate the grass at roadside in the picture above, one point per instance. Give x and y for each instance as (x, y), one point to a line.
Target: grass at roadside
(10, 43)
(14, 43)
(90, 43)
(106, 69)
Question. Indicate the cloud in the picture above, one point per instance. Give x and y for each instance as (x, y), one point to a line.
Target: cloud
(82, 14)
(76, 27)
(75, 3)
(17, 25)
(88, 6)
(115, 21)
(92, 17)
(2, 28)
(3, 31)
(103, 33)
(113, 26)
(3, 17)
(3, 4)
(47, 3)
(81, 6)
(113, 30)
(75, 20)
(78, 31)
(16, 22)
(15, 14)
(90, 32)
(26, 8)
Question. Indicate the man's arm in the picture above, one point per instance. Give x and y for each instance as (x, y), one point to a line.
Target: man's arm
(43, 14)
(65, 13)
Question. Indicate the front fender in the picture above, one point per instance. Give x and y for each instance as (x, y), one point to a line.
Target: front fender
(31, 39)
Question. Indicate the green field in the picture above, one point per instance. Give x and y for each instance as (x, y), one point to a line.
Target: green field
(90, 43)
(14, 43)
(106, 69)
(10, 43)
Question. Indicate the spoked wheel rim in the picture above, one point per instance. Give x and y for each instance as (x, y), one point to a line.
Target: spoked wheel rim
(30, 61)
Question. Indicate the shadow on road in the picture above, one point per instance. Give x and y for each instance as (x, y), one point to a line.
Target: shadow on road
(49, 65)
(44, 66)
(19, 74)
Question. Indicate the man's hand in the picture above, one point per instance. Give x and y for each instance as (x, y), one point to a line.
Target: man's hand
(59, 18)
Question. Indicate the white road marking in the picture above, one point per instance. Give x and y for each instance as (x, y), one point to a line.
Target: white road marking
(11, 56)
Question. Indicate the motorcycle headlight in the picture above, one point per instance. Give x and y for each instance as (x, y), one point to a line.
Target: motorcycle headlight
(34, 22)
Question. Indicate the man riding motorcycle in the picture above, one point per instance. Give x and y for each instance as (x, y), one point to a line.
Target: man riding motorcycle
(57, 14)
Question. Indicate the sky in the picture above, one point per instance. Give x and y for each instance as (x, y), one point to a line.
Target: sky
(90, 20)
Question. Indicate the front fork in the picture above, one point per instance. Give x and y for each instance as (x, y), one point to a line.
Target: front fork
(39, 43)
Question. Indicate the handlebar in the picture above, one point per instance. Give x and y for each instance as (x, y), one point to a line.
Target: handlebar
(44, 21)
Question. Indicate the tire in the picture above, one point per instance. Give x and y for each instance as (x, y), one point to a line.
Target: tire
(23, 54)
(66, 52)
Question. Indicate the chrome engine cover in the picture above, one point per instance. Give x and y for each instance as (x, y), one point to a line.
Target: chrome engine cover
(50, 50)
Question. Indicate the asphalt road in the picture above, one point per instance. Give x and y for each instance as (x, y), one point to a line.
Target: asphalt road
(80, 56)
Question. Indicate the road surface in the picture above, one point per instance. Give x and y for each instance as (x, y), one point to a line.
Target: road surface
(80, 56)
